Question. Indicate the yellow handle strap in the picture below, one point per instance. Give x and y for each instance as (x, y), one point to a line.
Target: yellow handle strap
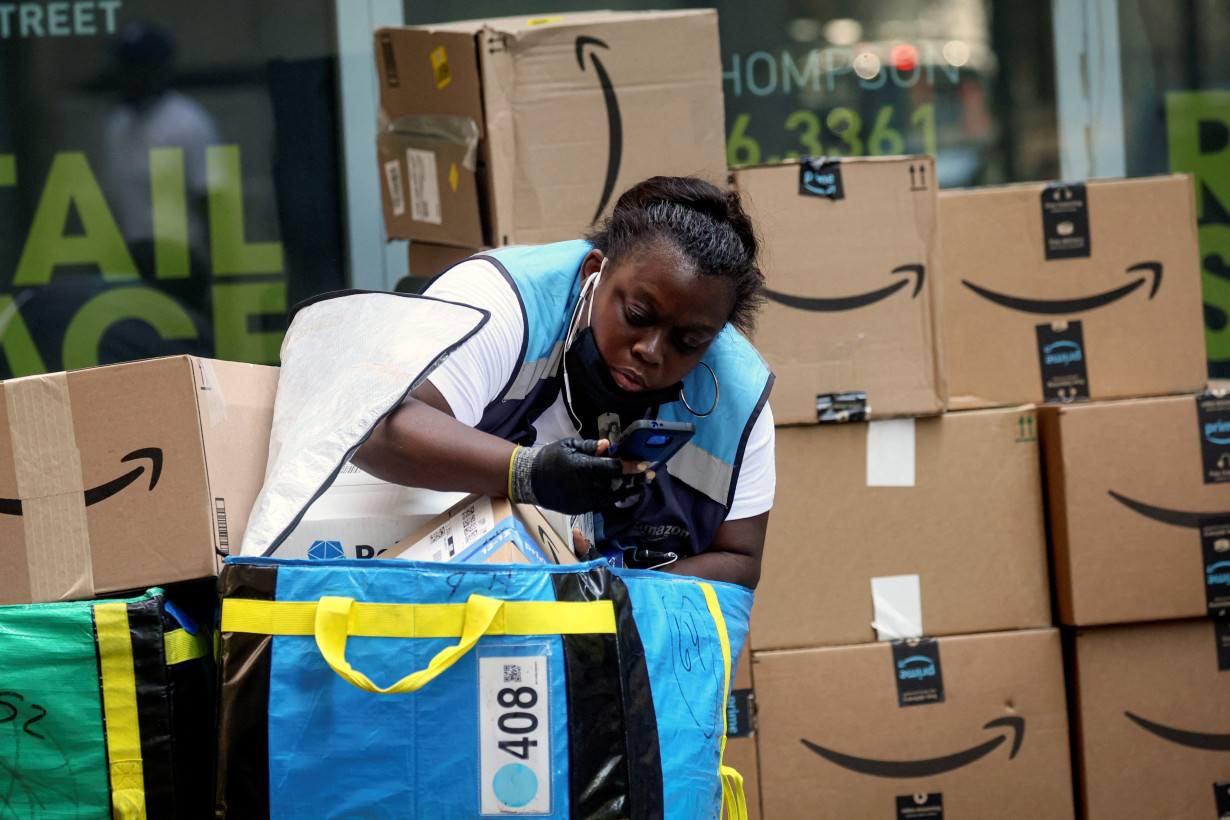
(332, 620)
(181, 645)
(119, 691)
(733, 799)
(332, 623)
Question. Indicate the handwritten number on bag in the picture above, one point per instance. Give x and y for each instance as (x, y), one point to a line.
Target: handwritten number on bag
(13, 712)
(454, 582)
(503, 580)
(517, 723)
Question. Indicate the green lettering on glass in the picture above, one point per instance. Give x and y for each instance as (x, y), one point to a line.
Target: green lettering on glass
(234, 303)
(155, 308)
(1198, 132)
(71, 182)
(168, 192)
(232, 253)
(16, 341)
(8, 169)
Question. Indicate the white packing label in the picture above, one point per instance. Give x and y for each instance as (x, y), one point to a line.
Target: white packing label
(897, 600)
(424, 186)
(890, 453)
(514, 724)
(397, 193)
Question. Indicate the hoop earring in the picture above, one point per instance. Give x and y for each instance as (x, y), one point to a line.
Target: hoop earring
(717, 391)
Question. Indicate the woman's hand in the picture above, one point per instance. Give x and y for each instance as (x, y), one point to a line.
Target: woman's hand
(573, 476)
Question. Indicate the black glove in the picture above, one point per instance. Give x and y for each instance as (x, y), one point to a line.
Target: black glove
(569, 477)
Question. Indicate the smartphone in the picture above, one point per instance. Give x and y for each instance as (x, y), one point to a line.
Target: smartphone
(652, 441)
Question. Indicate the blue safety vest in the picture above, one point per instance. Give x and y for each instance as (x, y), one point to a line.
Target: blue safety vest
(685, 504)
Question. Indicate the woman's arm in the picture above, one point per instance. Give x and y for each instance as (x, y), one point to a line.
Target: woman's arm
(420, 444)
(733, 556)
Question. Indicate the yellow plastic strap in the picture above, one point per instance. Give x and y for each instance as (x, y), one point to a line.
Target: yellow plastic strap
(119, 690)
(369, 620)
(732, 794)
(181, 645)
(733, 799)
(332, 620)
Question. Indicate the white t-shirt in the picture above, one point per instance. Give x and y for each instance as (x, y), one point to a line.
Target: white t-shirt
(473, 376)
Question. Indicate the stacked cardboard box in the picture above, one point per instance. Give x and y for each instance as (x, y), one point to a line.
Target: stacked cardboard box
(1087, 297)
(902, 632)
(1065, 292)
(524, 130)
(929, 535)
(1140, 526)
(851, 328)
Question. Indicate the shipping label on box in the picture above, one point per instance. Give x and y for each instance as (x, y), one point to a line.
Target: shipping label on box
(1152, 719)
(572, 110)
(904, 527)
(1139, 513)
(850, 256)
(835, 738)
(1066, 292)
(128, 476)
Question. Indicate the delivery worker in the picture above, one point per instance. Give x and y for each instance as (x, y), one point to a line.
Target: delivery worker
(639, 320)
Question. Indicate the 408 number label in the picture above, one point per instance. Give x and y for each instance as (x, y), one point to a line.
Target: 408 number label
(515, 737)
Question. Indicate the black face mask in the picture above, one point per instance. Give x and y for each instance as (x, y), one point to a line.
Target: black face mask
(595, 393)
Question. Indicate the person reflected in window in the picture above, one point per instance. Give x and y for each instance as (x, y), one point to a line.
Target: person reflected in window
(151, 115)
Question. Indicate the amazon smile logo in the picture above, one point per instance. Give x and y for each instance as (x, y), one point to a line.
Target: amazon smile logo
(614, 123)
(1177, 518)
(929, 766)
(1053, 307)
(852, 302)
(1208, 741)
(12, 506)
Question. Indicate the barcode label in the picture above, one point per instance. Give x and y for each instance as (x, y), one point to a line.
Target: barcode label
(392, 178)
(424, 186)
(224, 541)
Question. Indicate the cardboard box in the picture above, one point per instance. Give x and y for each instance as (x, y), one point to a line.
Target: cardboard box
(571, 109)
(1139, 508)
(128, 476)
(851, 328)
(1072, 291)
(428, 180)
(426, 261)
(938, 520)
(1152, 720)
(836, 740)
(361, 516)
(478, 528)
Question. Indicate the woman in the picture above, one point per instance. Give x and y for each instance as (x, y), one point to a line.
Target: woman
(585, 337)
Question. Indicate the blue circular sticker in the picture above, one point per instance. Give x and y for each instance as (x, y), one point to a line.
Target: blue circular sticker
(515, 785)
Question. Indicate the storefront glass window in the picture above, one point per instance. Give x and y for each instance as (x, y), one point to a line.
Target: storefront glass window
(1176, 92)
(169, 178)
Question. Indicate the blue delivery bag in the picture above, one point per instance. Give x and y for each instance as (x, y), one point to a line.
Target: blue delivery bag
(425, 690)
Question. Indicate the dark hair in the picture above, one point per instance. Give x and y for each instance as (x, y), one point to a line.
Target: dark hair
(704, 223)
